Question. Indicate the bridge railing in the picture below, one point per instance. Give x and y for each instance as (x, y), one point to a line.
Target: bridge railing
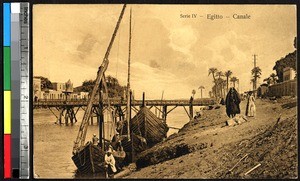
(54, 102)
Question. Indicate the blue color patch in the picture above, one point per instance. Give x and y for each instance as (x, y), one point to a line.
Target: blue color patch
(6, 24)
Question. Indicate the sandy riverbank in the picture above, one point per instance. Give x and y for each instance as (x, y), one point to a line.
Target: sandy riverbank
(208, 149)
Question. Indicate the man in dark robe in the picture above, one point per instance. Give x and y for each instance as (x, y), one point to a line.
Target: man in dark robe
(232, 103)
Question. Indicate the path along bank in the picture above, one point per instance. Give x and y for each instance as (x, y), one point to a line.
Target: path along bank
(207, 148)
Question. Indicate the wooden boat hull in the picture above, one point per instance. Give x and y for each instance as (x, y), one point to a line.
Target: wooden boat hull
(146, 124)
(132, 147)
(90, 159)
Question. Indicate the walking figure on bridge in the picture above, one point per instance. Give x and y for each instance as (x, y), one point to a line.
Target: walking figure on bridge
(232, 103)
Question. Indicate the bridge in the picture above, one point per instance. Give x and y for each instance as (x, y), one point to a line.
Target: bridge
(69, 108)
(118, 102)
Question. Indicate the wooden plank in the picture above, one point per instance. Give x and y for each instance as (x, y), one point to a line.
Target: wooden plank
(186, 111)
(171, 109)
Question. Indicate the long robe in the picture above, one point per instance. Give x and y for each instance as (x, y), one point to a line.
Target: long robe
(251, 108)
(110, 161)
(232, 102)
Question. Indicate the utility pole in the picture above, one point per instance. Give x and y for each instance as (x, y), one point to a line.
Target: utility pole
(255, 74)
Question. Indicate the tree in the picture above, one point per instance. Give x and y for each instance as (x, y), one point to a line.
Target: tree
(256, 72)
(213, 71)
(219, 74)
(268, 80)
(227, 74)
(201, 87)
(220, 82)
(224, 85)
(45, 83)
(272, 79)
(113, 86)
(289, 60)
(193, 92)
(233, 80)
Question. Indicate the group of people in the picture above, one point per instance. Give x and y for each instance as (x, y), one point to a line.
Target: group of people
(233, 101)
(114, 154)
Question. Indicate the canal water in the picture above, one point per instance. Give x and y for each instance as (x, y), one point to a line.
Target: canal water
(53, 143)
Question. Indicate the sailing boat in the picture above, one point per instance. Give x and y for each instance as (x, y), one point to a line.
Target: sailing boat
(131, 142)
(89, 158)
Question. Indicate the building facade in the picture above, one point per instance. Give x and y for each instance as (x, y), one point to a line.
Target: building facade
(59, 91)
(286, 88)
(288, 74)
(59, 86)
(37, 84)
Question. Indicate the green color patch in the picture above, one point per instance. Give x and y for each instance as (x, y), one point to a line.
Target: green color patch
(7, 68)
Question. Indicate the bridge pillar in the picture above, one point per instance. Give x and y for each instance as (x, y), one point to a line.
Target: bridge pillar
(94, 113)
(164, 113)
(92, 120)
(191, 111)
(69, 114)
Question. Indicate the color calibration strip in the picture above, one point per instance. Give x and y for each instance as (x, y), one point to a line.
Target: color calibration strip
(7, 89)
(24, 91)
(16, 89)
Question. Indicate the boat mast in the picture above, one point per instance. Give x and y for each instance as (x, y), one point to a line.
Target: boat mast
(100, 76)
(128, 82)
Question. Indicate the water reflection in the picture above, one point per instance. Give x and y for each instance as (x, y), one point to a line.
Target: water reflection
(53, 143)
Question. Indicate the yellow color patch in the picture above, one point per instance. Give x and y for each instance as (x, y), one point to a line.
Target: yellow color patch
(7, 112)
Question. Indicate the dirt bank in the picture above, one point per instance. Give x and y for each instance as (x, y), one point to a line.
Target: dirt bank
(208, 149)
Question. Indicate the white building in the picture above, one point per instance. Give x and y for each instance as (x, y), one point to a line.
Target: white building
(58, 91)
(288, 74)
(37, 83)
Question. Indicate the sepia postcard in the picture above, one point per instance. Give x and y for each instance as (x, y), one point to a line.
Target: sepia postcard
(165, 91)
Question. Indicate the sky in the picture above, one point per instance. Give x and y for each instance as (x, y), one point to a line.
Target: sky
(168, 54)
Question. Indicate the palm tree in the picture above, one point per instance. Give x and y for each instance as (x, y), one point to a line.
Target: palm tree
(268, 80)
(224, 85)
(219, 74)
(256, 72)
(227, 74)
(213, 71)
(201, 87)
(219, 81)
(234, 80)
(273, 78)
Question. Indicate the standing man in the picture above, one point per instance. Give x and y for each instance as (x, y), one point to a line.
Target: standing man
(191, 108)
(95, 140)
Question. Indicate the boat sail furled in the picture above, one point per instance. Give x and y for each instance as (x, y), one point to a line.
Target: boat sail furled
(89, 158)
